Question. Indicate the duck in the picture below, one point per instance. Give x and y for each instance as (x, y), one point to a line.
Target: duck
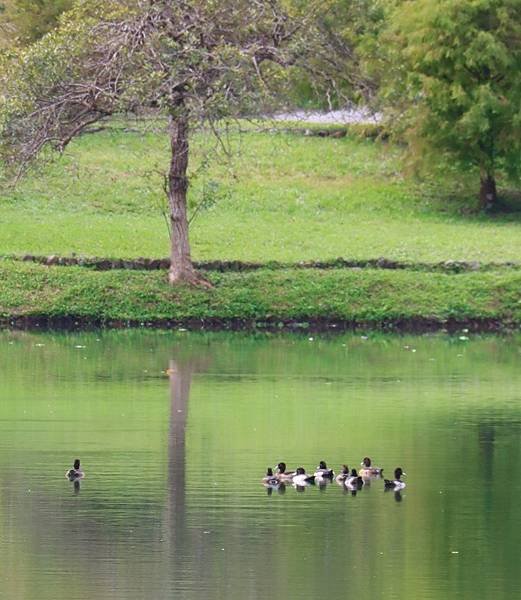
(354, 481)
(343, 475)
(282, 474)
(322, 472)
(269, 478)
(301, 478)
(368, 470)
(396, 483)
(75, 473)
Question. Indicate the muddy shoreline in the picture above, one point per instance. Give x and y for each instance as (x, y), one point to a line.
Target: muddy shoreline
(415, 325)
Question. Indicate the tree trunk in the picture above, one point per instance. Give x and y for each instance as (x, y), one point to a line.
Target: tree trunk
(487, 191)
(181, 267)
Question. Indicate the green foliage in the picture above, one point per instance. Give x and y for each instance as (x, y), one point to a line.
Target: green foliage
(351, 28)
(25, 21)
(457, 81)
(196, 60)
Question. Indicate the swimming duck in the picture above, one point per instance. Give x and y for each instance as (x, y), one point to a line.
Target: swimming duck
(343, 475)
(269, 478)
(354, 481)
(284, 475)
(301, 478)
(396, 483)
(75, 473)
(322, 472)
(369, 471)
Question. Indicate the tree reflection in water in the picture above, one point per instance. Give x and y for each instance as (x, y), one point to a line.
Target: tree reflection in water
(184, 541)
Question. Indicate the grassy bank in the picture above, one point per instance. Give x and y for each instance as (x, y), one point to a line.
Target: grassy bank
(283, 197)
(366, 297)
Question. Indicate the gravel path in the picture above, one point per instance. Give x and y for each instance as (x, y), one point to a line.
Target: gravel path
(341, 117)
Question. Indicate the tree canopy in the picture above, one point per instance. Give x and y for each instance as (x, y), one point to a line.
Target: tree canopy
(194, 60)
(25, 21)
(456, 83)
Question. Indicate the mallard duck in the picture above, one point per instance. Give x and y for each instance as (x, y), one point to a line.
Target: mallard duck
(322, 472)
(301, 478)
(396, 483)
(343, 475)
(282, 474)
(369, 471)
(75, 473)
(354, 481)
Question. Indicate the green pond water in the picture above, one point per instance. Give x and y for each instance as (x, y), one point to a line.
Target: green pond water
(175, 431)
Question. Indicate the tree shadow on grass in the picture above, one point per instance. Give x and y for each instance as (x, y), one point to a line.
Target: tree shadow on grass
(458, 200)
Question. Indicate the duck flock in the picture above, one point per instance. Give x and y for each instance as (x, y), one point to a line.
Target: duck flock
(350, 479)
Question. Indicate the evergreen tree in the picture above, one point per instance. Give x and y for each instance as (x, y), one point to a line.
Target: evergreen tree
(457, 82)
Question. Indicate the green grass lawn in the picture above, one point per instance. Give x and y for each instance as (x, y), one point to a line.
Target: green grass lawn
(282, 197)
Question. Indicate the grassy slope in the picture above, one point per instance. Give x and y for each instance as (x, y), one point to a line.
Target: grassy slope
(352, 295)
(289, 198)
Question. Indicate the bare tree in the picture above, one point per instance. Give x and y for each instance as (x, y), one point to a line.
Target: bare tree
(195, 60)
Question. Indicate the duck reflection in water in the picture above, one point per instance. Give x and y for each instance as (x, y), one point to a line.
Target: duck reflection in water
(77, 486)
(396, 493)
(280, 488)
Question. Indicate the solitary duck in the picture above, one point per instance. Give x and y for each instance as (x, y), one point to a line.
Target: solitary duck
(322, 472)
(269, 478)
(282, 474)
(75, 473)
(343, 475)
(301, 478)
(396, 483)
(354, 481)
(368, 471)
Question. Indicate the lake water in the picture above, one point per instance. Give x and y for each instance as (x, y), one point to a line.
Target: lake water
(175, 431)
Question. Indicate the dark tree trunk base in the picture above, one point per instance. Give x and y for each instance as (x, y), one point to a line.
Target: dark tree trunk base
(487, 192)
(189, 277)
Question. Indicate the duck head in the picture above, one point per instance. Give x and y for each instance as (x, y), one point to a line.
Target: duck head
(77, 464)
(301, 471)
(354, 473)
(345, 470)
(322, 464)
(281, 467)
(269, 472)
(366, 462)
(398, 473)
